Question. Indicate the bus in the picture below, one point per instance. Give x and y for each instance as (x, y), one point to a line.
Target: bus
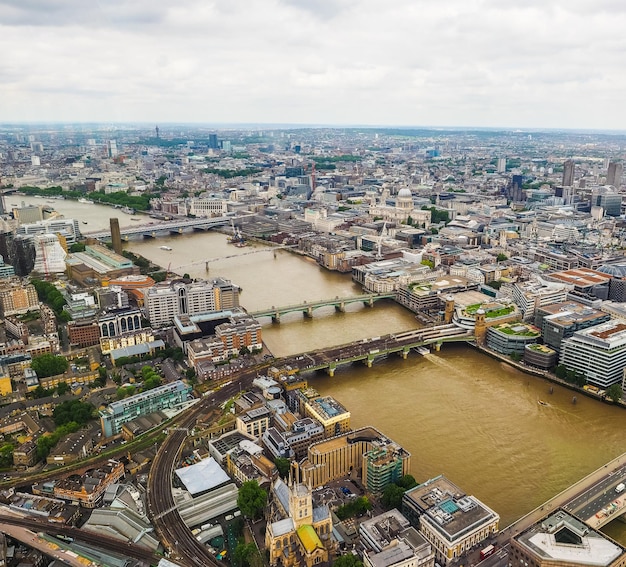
(489, 550)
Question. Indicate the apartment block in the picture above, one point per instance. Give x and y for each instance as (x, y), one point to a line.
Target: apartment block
(118, 413)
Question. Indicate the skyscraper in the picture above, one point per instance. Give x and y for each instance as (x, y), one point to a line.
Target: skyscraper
(614, 174)
(568, 173)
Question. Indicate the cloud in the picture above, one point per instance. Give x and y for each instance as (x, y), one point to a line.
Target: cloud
(462, 62)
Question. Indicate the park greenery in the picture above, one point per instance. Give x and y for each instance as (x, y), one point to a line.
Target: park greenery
(49, 365)
(348, 560)
(282, 465)
(247, 555)
(73, 411)
(251, 499)
(614, 393)
(570, 375)
(119, 198)
(357, 507)
(52, 297)
(6, 455)
(392, 495)
(437, 215)
(230, 173)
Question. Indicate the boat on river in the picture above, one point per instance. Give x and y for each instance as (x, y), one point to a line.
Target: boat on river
(542, 403)
(165, 247)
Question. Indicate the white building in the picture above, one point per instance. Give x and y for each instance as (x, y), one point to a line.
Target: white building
(531, 295)
(163, 302)
(597, 352)
(49, 254)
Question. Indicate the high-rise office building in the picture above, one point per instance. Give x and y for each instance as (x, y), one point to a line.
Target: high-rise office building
(501, 165)
(568, 173)
(112, 148)
(165, 301)
(213, 142)
(614, 174)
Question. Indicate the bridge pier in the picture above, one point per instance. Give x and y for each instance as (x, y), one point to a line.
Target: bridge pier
(308, 313)
(341, 307)
(331, 369)
(369, 360)
(276, 317)
(405, 352)
(369, 302)
(438, 346)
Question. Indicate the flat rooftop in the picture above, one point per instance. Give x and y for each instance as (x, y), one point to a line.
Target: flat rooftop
(561, 538)
(448, 509)
(570, 312)
(581, 277)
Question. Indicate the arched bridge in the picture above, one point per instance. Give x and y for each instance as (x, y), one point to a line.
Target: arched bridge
(307, 307)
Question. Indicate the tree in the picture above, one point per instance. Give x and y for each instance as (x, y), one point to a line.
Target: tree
(614, 392)
(73, 411)
(247, 555)
(6, 455)
(251, 499)
(282, 465)
(407, 482)
(49, 365)
(561, 371)
(77, 247)
(501, 257)
(348, 560)
(392, 496)
(62, 388)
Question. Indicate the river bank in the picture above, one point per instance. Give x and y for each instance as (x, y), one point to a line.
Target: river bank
(536, 372)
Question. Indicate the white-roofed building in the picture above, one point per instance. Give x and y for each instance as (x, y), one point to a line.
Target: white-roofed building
(203, 476)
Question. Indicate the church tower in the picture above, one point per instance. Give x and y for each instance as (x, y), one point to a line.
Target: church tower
(300, 498)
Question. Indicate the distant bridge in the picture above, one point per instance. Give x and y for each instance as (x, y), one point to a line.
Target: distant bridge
(154, 229)
(307, 307)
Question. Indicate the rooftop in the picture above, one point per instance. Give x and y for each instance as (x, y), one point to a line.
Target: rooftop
(563, 539)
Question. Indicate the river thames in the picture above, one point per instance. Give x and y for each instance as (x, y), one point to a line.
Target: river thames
(459, 412)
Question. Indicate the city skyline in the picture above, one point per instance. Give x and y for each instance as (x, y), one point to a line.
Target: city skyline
(342, 62)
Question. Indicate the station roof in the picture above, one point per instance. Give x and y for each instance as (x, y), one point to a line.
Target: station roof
(203, 476)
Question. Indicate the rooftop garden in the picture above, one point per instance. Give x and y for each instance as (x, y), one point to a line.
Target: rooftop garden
(498, 310)
(518, 329)
(541, 348)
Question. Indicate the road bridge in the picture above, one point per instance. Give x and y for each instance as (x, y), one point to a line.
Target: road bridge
(154, 229)
(307, 307)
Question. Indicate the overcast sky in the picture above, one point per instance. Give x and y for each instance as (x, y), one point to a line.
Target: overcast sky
(523, 63)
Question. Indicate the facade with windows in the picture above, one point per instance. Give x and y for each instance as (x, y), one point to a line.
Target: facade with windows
(599, 353)
(382, 466)
(163, 302)
(116, 324)
(120, 412)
